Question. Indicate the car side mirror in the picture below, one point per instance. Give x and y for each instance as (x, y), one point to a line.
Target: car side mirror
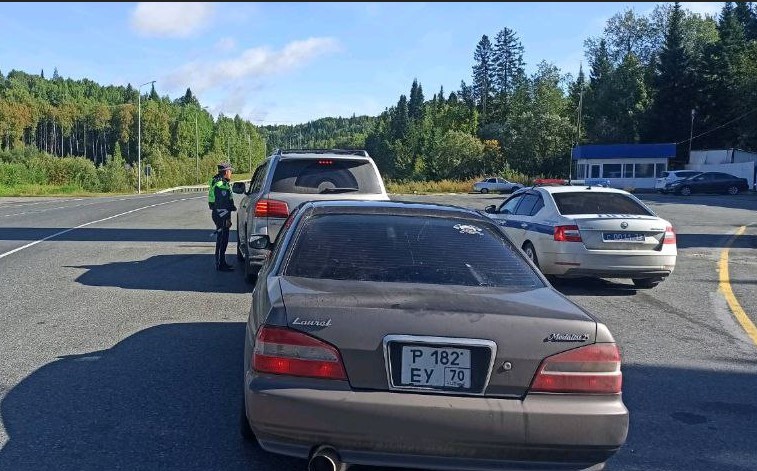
(239, 188)
(491, 209)
(260, 242)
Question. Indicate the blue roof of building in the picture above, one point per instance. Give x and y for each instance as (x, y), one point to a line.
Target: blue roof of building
(624, 151)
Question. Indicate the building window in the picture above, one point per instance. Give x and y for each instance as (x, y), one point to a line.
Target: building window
(611, 170)
(582, 170)
(627, 170)
(660, 169)
(595, 171)
(644, 170)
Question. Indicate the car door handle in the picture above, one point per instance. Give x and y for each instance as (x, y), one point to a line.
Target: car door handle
(523, 225)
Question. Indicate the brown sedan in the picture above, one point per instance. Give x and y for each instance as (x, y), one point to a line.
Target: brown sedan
(412, 335)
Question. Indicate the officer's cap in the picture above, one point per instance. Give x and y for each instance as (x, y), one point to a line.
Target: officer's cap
(223, 166)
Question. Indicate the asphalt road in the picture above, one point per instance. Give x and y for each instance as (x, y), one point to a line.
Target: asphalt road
(121, 347)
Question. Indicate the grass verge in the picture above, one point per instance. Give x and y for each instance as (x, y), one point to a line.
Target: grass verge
(422, 187)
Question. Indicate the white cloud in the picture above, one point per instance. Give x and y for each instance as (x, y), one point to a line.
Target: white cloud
(226, 44)
(252, 63)
(171, 19)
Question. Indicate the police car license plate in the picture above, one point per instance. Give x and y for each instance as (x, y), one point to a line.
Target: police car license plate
(436, 367)
(622, 237)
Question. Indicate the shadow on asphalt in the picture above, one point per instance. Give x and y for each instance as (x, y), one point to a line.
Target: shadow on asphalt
(687, 241)
(168, 397)
(87, 234)
(592, 287)
(740, 201)
(181, 272)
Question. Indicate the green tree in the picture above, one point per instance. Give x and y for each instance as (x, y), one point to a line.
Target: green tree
(400, 119)
(415, 105)
(483, 74)
(508, 71)
(670, 113)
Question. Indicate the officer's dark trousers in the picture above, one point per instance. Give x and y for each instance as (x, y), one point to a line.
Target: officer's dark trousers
(222, 239)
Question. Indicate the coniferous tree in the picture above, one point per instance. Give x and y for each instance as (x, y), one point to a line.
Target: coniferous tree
(415, 105)
(400, 119)
(508, 70)
(483, 73)
(670, 114)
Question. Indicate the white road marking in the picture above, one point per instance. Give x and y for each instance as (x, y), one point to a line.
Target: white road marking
(14, 205)
(76, 205)
(11, 252)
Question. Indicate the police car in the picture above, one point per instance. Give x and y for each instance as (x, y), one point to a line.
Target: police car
(580, 229)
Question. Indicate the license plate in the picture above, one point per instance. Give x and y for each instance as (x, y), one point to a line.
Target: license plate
(436, 367)
(623, 237)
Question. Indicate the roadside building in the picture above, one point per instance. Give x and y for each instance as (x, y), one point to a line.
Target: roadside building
(629, 166)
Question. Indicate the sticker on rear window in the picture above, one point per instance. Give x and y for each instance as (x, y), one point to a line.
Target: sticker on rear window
(468, 229)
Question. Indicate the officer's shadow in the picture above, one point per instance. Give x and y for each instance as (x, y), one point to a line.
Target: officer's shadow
(179, 272)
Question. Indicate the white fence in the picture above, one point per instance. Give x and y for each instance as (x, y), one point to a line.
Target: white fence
(743, 170)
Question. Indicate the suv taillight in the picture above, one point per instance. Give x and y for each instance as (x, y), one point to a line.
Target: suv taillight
(567, 234)
(589, 369)
(670, 236)
(284, 351)
(271, 209)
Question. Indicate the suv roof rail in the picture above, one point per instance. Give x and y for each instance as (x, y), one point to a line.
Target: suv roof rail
(360, 152)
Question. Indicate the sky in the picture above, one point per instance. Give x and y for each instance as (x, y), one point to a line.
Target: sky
(290, 63)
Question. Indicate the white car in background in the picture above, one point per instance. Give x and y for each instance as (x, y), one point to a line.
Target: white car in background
(671, 176)
(577, 231)
(499, 185)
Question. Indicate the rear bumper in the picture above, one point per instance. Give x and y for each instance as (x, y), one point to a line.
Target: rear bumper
(578, 262)
(437, 432)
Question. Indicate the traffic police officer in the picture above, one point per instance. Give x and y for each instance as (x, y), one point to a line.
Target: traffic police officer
(221, 203)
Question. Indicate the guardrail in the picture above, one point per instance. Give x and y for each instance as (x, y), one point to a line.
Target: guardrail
(184, 189)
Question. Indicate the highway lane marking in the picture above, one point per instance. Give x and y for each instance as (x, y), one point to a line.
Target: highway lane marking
(725, 288)
(31, 244)
(36, 211)
(15, 205)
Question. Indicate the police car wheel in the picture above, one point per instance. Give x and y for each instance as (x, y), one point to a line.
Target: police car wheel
(240, 255)
(484, 191)
(530, 251)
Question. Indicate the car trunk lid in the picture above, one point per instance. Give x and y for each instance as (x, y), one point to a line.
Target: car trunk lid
(358, 317)
(620, 231)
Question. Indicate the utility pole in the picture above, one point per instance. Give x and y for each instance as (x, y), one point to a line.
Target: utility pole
(691, 131)
(249, 147)
(578, 133)
(197, 147)
(139, 138)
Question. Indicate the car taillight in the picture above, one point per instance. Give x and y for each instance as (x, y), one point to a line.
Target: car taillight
(271, 209)
(289, 352)
(670, 236)
(567, 234)
(590, 369)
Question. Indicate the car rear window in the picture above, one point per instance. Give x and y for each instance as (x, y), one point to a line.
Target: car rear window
(408, 249)
(325, 176)
(588, 202)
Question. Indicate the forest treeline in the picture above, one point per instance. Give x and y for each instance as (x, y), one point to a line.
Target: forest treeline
(655, 77)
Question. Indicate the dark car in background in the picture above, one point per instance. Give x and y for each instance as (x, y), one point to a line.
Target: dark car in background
(427, 324)
(708, 182)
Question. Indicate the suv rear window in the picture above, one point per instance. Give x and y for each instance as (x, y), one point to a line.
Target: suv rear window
(587, 202)
(325, 175)
(408, 249)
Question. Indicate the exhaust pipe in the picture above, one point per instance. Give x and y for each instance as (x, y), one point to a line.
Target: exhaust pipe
(326, 459)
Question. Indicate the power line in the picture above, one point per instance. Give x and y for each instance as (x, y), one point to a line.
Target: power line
(719, 127)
